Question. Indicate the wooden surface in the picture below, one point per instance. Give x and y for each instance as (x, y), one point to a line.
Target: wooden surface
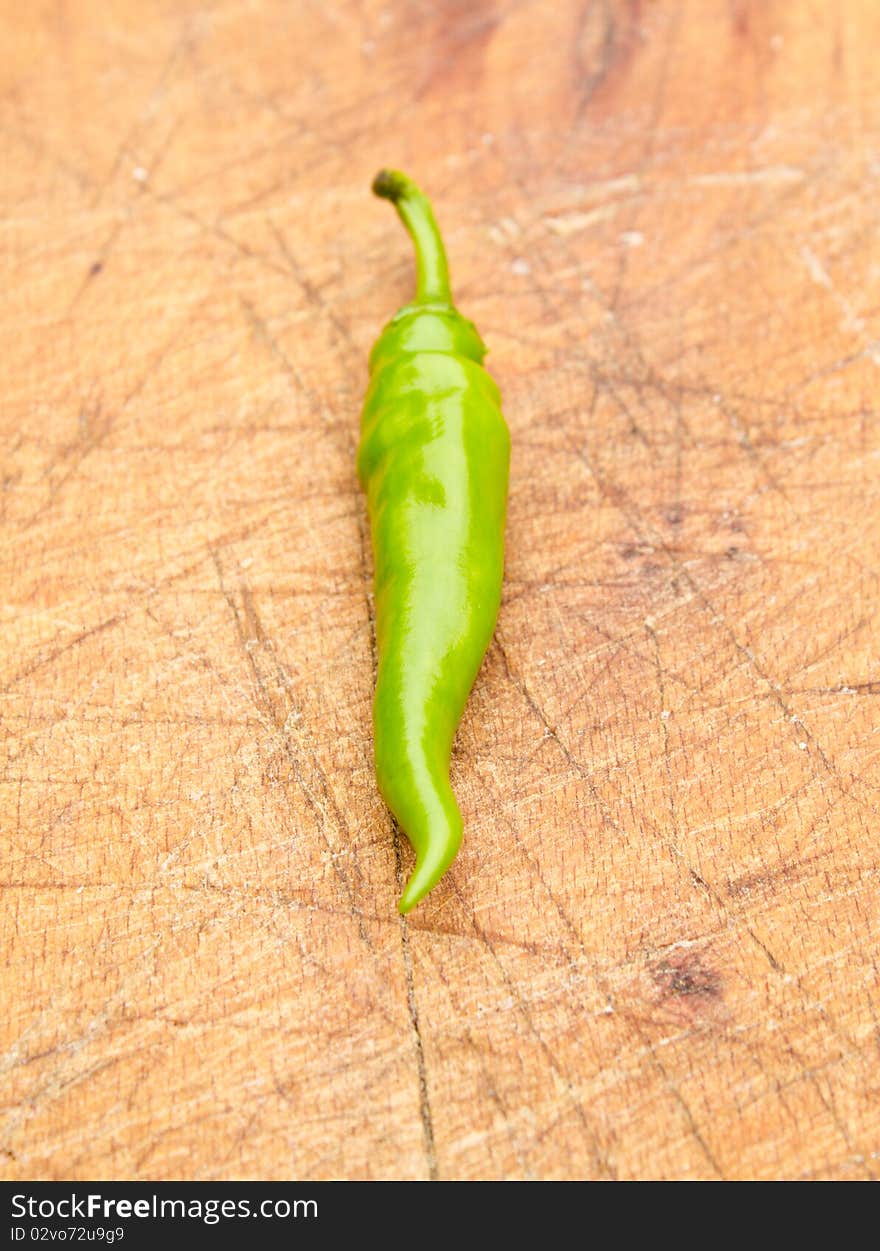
(656, 954)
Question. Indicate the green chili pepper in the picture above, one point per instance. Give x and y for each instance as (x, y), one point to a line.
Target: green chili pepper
(433, 460)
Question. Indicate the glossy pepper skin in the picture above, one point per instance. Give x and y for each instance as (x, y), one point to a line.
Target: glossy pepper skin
(433, 460)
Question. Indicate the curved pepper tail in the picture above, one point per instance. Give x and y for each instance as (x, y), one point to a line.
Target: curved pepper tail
(416, 788)
(432, 861)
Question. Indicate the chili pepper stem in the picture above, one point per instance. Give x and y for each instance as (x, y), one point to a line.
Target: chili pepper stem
(414, 210)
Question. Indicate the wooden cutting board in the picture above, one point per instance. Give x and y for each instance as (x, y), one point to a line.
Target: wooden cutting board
(656, 953)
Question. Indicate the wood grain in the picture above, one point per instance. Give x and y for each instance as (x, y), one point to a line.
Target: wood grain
(656, 954)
